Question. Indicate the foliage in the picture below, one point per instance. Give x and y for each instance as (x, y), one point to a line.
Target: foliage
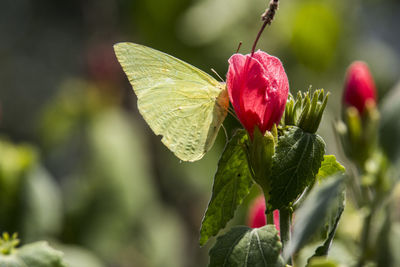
(297, 160)
(78, 166)
(232, 184)
(243, 246)
(311, 215)
(38, 254)
(329, 167)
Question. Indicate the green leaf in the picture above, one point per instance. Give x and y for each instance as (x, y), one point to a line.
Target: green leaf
(41, 254)
(38, 254)
(232, 183)
(76, 256)
(384, 252)
(30, 198)
(311, 215)
(43, 205)
(344, 252)
(296, 163)
(322, 262)
(244, 246)
(394, 238)
(329, 167)
(387, 242)
(332, 226)
(389, 128)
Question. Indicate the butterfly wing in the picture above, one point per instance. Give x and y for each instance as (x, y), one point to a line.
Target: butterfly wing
(180, 102)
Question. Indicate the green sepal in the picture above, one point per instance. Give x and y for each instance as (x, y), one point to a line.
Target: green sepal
(232, 183)
(296, 163)
(359, 133)
(243, 246)
(261, 150)
(307, 110)
(8, 243)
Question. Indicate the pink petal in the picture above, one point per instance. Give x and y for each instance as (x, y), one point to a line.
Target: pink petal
(256, 218)
(258, 90)
(359, 86)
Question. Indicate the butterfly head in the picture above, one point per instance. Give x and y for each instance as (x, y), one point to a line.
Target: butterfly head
(223, 97)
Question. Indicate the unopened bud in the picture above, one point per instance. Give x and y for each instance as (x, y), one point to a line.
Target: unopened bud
(256, 217)
(359, 87)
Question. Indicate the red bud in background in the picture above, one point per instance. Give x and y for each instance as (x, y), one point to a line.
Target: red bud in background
(359, 86)
(102, 64)
(258, 89)
(256, 216)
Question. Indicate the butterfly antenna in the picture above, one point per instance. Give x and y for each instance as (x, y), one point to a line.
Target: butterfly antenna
(216, 73)
(240, 45)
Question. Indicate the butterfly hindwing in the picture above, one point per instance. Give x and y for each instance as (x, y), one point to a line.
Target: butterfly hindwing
(180, 102)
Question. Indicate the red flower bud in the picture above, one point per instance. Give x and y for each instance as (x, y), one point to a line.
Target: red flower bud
(359, 86)
(258, 89)
(256, 216)
(102, 63)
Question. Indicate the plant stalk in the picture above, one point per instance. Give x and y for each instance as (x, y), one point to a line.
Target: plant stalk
(285, 223)
(269, 215)
(267, 17)
(365, 239)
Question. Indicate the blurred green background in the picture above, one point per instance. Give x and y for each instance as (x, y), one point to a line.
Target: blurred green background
(78, 165)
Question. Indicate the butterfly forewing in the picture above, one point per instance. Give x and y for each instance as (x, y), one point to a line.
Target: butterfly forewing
(180, 102)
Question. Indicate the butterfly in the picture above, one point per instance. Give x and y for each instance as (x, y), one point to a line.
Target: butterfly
(180, 102)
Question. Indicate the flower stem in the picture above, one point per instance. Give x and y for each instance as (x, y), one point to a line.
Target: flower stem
(269, 215)
(365, 239)
(285, 222)
(365, 247)
(258, 37)
(267, 17)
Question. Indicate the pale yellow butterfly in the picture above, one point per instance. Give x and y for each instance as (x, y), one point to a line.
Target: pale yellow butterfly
(180, 102)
